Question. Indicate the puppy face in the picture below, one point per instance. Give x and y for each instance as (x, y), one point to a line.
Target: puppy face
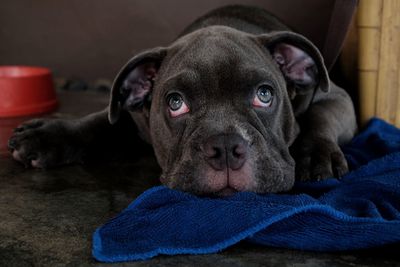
(215, 107)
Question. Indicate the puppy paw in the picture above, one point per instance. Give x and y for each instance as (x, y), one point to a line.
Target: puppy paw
(42, 143)
(319, 159)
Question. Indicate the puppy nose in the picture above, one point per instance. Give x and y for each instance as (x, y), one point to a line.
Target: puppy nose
(225, 150)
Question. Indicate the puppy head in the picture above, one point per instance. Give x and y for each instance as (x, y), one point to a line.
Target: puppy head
(215, 105)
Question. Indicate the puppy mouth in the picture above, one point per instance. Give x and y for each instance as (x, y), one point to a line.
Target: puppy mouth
(226, 192)
(228, 182)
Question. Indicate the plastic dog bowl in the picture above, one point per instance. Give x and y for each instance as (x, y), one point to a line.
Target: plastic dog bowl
(26, 90)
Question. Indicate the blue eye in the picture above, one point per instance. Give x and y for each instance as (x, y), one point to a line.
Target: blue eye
(177, 105)
(264, 94)
(175, 101)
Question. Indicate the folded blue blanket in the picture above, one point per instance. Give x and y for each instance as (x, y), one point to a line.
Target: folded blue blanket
(361, 210)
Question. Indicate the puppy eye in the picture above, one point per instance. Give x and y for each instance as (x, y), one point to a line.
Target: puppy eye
(176, 105)
(263, 97)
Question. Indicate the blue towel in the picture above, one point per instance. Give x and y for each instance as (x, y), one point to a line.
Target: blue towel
(362, 210)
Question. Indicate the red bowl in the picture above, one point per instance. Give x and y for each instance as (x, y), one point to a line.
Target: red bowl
(26, 90)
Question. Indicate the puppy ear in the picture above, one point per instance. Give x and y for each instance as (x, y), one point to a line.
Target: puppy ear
(299, 60)
(133, 85)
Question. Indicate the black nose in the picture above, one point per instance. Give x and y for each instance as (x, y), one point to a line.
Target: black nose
(225, 150)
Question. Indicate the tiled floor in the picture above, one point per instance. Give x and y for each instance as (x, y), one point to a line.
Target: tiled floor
(48, 217)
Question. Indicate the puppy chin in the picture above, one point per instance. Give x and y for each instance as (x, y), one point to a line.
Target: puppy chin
(226, 192)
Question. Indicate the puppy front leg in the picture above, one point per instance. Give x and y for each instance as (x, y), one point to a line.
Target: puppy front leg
(45, 143)
(329, 122)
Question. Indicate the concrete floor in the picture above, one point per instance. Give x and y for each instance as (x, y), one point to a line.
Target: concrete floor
(47, 217)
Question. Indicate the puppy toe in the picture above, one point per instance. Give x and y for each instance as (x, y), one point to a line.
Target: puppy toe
(322, 168)
(339, 164)
(35, 123)
(304, 176)
(16, 155)
(32, 124)
(18, 129)
(37, 163)
(321, 172)
(19, 155)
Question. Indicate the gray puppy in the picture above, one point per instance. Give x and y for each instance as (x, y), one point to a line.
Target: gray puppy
(229, 106)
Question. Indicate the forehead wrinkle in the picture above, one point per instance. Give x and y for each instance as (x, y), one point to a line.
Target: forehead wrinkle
(207, 50)
(185, 77)
(218, 52)
(254, 74)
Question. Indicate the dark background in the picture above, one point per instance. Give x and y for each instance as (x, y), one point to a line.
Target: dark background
(92, 39)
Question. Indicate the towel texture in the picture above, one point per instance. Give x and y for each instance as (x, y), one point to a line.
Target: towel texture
(361, 210)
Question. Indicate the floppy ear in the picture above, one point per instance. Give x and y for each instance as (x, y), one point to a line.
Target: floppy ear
(133, 85)
(299, 60)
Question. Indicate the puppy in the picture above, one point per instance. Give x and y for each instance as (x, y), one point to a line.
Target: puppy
(238, 102)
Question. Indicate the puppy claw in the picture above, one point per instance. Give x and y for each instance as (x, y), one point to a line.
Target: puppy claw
(340, 172)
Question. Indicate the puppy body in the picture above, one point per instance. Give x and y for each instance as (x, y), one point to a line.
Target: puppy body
(229, 106)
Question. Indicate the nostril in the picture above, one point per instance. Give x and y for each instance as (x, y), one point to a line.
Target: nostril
(211, 151)
(238, 156)
(217, 153)
(239, 150)
(215, 157)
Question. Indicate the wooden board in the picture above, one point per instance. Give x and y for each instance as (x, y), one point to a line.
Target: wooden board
(379, 59)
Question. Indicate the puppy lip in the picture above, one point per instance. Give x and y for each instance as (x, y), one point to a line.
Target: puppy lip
(227, 191)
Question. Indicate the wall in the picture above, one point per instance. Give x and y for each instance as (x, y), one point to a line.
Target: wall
(94, 38)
